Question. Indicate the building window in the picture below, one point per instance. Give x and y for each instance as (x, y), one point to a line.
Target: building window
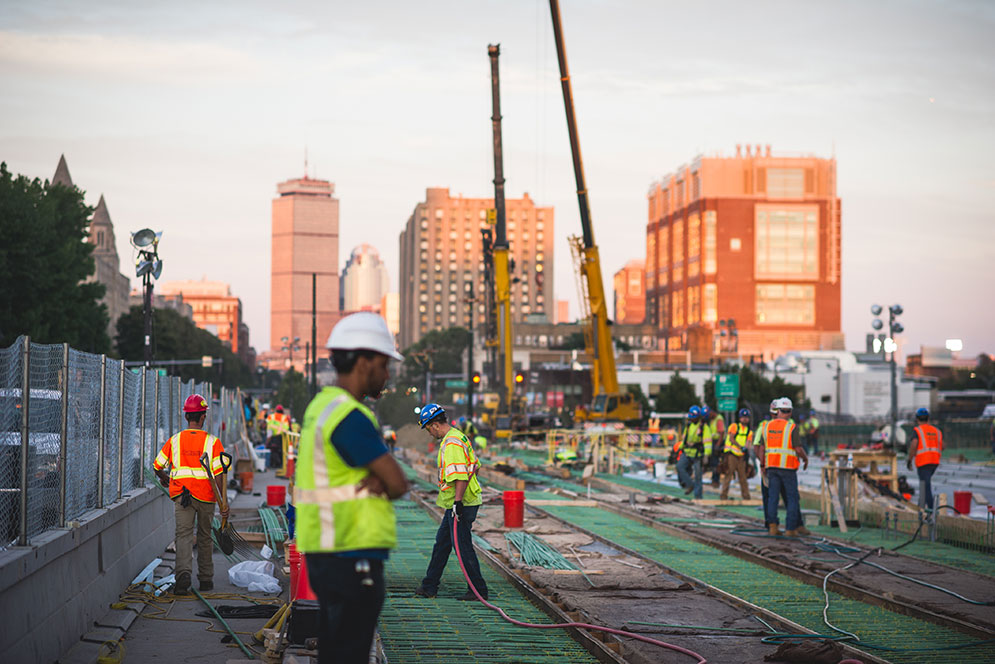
(422, 308)
(677, 307)
(438, 213)
(709, 303)
(694, 246)
(651, 260)
(787, 242)
(711, 242)
(424, 223)
(663, 255)
(694, 305)
(785, 304)
(695, 187)
(424, 244)
(785, 182)
(735, 244)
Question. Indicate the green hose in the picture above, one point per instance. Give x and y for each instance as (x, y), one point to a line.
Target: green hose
(248, 653)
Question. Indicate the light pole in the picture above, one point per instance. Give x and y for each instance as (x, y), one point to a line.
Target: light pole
(291, 347)
(894, 327)
(148, 267)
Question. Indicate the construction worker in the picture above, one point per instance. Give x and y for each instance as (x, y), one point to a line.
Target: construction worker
(695, 447)
(738, 439)
(345, 480)
(714, 428)
(459, 496)
(190, 489)
(755, 453)
(925, 451)
(780, 455)
(653, 429)
(810, 433)
(480, 442)
(277, 424)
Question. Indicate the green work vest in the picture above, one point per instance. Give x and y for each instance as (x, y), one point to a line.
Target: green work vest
(331, 514)
(695, 437)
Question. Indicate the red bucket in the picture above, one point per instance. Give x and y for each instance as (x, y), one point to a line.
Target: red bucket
(246, 479)
(962, 502)
(514, 509)
(276, 495)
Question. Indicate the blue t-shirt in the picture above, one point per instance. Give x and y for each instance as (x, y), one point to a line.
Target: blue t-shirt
(358, 443)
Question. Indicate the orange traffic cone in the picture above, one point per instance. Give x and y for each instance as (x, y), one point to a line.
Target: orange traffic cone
(304, 590)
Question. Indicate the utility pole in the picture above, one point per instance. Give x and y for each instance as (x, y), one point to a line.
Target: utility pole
(314, 334)
(470, 301)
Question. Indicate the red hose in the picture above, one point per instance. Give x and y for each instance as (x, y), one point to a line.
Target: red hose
(576, 625)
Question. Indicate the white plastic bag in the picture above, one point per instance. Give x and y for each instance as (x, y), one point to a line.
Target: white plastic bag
(255, 575)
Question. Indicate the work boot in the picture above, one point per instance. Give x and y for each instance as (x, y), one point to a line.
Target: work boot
(421, 591)
(206, 585)
(182, 586)
(773, 529)
(802, 530)
(468, 596)
(688, 490)
(791, 533)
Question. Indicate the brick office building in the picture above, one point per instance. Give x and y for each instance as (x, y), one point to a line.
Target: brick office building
(215, 309)
(305, 241)
(630, 293)
(753, 239)
(441, 252)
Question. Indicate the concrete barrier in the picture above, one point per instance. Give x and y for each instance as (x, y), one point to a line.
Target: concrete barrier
(52, 591)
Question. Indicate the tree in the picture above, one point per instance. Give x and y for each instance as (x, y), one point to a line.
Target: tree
(439, 351)
(177, 338)
(396, 408)
(644, 403)
(573, 341)
(981, 377)
(293, 395)
(676, 396)
(44, 261)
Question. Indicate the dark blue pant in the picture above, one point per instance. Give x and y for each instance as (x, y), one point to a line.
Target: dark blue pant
(444, 545)
(926, 484)
(685, 466)
(782, 479)
(349, 609)
(764, 492)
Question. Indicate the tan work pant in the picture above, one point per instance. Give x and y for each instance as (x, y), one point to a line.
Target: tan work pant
(734, 465)
(185, 516)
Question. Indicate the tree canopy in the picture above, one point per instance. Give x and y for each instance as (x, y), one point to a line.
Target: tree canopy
(293, 394)
(44, 260)
(439, 351)
(677, 395)
(177, 338)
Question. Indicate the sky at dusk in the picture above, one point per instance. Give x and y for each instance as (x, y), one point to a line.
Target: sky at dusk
(185, 115)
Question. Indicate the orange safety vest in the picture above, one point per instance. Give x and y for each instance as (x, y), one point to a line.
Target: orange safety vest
(183, 452)
(779, 451)
(930, 444)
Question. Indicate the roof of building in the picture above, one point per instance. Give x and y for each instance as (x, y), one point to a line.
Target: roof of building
(62, 173)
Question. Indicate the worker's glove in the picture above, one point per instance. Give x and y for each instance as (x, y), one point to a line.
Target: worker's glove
(908, 463)
(458, 509)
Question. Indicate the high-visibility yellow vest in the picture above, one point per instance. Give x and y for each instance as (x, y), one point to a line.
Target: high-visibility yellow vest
(737, 437)
(332, 515)
(456, 456)
(778, 445)
(694, 439)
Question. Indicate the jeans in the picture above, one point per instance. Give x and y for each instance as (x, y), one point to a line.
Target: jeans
(685, 465)
(444, 545)
(348, 608)
(926, 484)
(764, 492)
(203, 513)
(782, 479)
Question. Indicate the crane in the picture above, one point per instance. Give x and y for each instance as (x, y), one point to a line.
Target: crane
(609, 402)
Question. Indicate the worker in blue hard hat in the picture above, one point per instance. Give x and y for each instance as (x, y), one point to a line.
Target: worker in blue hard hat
(713, 428)
(925, 451)
(694, 448)
(739, 437)
(459, 496)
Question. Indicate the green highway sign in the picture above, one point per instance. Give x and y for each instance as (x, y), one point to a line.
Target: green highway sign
(456, 384)
(726, 405)
(727, 391)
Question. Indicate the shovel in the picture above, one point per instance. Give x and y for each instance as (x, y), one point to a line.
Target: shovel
(223, 534)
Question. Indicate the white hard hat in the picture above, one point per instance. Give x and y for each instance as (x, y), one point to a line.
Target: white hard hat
(773, 405)
(364, 330)
(784, 403)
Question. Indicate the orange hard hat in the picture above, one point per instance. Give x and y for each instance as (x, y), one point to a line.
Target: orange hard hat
(195, 404)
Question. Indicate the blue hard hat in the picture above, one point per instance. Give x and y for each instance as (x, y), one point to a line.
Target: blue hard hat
(922, 412)
(744, 412)
(429, 412)
(462, 420)
(706, 411)
(694, 411)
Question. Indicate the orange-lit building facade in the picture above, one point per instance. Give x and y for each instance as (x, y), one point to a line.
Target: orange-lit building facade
(749, 243)
(630, 293)
(305, 241)
(215, 309)
(441, 252)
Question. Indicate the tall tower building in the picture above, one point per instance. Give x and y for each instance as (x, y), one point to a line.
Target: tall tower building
(364, 280)
(743, 255)
(305, 241)
(441, 253)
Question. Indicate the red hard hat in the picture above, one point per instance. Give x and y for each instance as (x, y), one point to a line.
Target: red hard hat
(195, 404)
(279, 409)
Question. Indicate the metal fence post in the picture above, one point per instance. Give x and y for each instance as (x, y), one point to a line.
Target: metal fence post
(141, 434)
(169, 414)
(22, 539)
(120, 431)
(64, 438)
(155, 418)
(100, 432)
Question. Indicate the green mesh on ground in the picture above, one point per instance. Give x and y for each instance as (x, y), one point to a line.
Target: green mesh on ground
(797, 601)
(444, 629)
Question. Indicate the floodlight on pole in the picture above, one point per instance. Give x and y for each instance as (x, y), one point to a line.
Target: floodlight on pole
(890, 346)
(148, 266)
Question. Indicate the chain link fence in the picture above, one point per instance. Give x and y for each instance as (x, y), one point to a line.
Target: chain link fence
(91, 428)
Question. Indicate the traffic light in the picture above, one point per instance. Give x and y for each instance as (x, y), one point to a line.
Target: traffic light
(519, 378)
(476, 378)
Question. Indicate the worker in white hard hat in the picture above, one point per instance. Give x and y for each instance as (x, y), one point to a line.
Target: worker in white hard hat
(780, 456)
(756, 450)
(345, 480)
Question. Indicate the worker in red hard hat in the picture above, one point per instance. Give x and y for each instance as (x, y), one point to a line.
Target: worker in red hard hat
(190, 489)
(277, 424)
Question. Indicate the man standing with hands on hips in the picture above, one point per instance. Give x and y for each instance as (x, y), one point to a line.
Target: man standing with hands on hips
(459, 495)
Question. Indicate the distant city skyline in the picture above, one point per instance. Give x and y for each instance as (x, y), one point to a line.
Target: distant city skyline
(186, 119)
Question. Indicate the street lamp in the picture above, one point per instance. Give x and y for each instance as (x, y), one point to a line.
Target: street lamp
(291, 347)
(890, 346)
(148, 267)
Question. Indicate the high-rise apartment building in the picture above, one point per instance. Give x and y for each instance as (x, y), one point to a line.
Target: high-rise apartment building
(441, 253)
(630, 293)
(743, 255)
(364, 280)
(305, 242)
(215, 309)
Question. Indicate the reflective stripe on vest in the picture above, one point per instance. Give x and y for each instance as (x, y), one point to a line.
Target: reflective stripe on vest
(195, 478)
(736, 442)
(929, 445)
(468, 468)
(779, 451)
(320, 469)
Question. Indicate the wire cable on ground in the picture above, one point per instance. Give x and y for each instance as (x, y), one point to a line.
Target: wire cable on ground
(575, 625)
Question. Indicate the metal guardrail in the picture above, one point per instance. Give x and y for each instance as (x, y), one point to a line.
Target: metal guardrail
(77, 431)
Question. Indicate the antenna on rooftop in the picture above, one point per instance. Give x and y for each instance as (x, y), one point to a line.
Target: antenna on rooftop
(305, 162)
